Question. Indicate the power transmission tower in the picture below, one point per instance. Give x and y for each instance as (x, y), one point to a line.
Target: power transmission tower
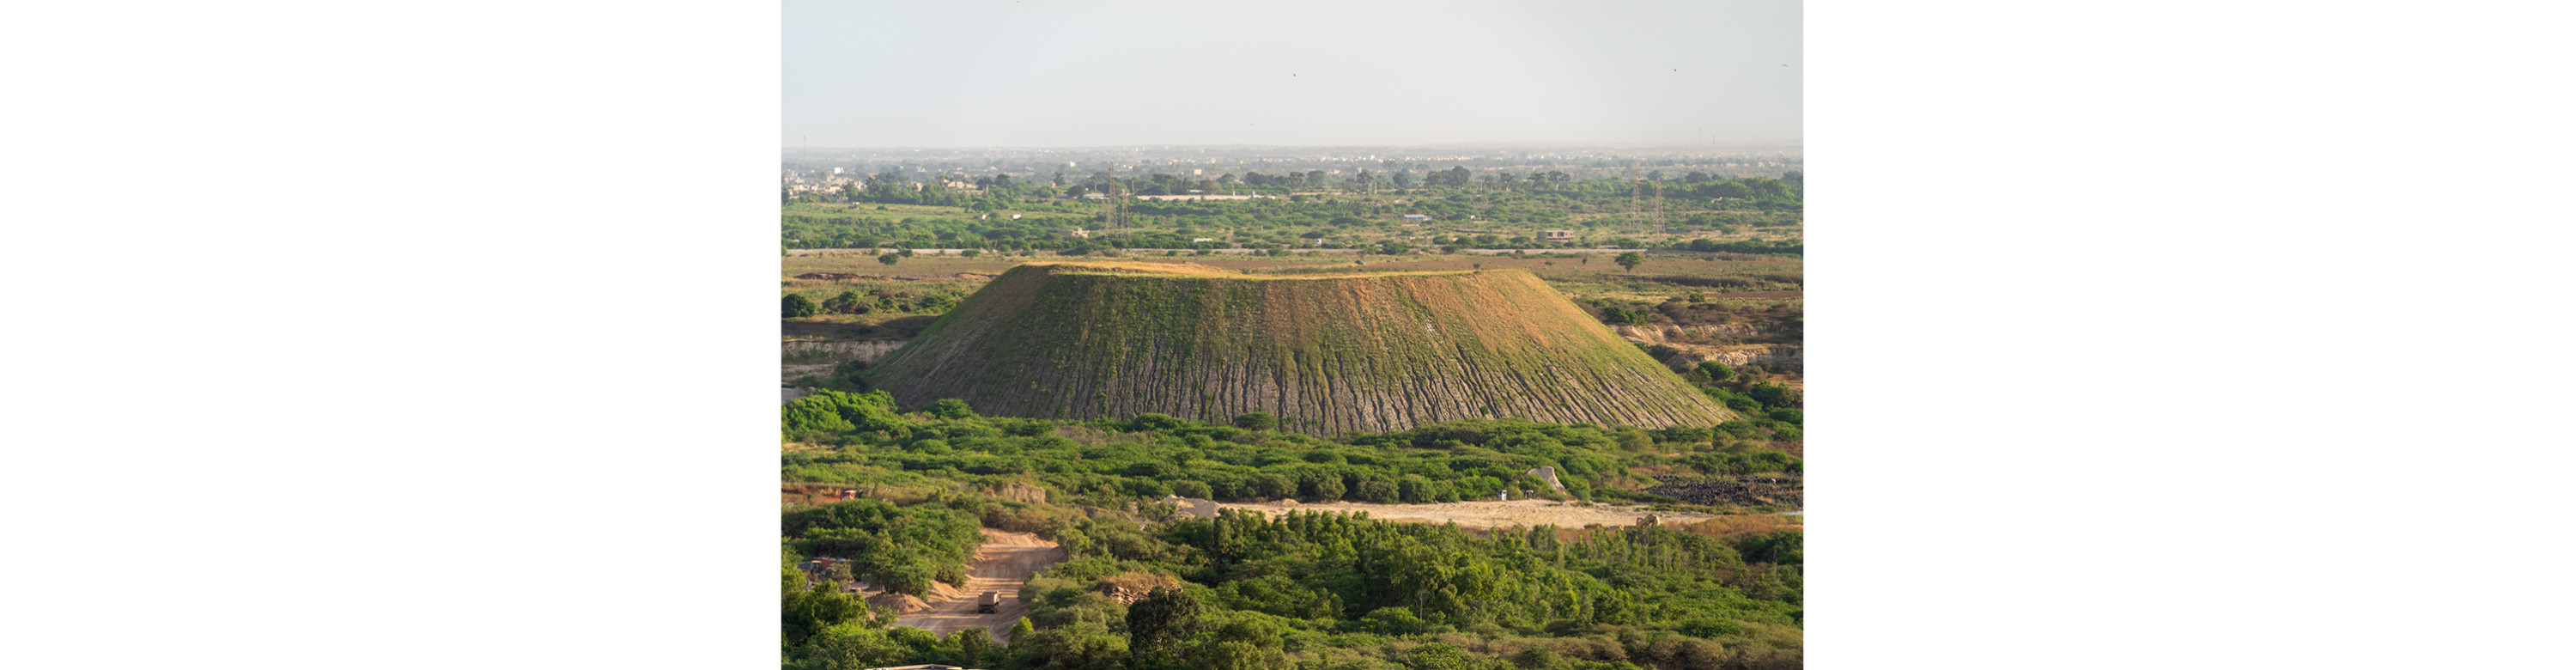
(1633, 188)
(1117, 205)
(1659, 206)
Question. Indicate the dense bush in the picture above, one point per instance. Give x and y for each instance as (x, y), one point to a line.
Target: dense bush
(796, 305)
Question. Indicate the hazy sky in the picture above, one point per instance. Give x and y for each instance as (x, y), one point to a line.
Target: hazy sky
(1065, 73)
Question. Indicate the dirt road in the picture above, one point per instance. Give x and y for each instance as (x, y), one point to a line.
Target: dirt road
(1003, 564)
(1484, 513)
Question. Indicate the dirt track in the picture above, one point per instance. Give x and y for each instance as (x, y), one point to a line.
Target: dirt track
(1003, 564)
(1484, 513)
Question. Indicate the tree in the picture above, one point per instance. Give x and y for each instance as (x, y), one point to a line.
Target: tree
(1716, 371)
(1157, 624)
(806, 611)
(1630, 260)
(973, 647)
(890, 259)
(1240, 642)
(850, 646)
(796, 305)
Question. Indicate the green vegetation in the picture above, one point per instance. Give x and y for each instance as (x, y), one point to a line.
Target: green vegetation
(1110, 463)
(1307, 590)
(1499, 210)
(901, 549)
(1313, 590)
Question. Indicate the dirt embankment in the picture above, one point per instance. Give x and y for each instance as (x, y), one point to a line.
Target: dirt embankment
(1484, 513)
(1003, 564)
(1788, 492)
(851, 277)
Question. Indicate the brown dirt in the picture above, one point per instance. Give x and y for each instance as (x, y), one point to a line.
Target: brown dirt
(852, 276)
(1133, 586)
(900, 603)
(1486, 513)
(1003, 564)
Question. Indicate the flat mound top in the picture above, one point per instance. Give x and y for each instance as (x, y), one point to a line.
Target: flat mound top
(1195, 270)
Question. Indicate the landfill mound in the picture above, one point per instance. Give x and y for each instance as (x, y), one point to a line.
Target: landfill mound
(1327, 354)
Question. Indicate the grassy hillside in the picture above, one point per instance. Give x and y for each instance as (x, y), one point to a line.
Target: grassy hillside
(1326, 353)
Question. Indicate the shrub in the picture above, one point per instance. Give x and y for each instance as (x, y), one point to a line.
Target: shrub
(1396, 620)
(1273, 485)
(1773, 395)
(796, 305)
(951, 408)
(848, 302)
(1327, 488)
(1373, 489)
(1153, 421)
(1257, 421)
(1789, 415)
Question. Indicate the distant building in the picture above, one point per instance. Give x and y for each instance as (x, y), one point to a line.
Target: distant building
(1416, 218)
(1202, 239)
(1556, 236)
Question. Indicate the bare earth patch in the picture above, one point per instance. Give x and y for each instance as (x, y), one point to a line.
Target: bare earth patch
(1003, 564)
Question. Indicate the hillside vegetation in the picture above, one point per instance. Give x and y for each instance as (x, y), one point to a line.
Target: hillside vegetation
(1325, 353)
(1114, 463)
(1307, 591)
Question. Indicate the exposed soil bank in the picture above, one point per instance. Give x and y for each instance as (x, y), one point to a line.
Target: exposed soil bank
(1484, 513)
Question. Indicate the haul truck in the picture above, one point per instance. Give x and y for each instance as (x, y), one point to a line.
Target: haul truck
(990, 603)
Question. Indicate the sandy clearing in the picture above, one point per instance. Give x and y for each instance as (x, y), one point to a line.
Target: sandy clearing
(1484, 513)
(1003, 564)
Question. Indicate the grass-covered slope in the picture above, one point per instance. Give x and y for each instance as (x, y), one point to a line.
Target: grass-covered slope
(1328, 354)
